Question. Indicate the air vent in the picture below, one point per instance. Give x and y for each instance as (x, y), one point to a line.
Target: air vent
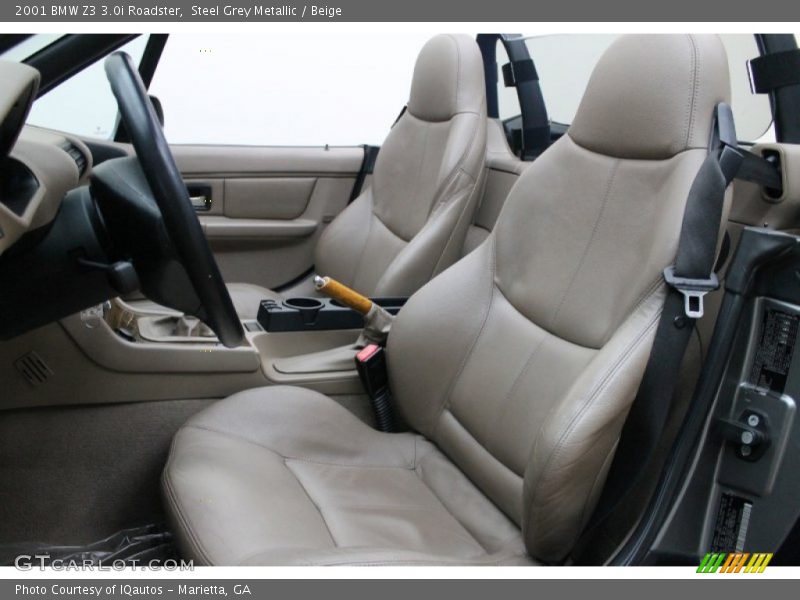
(76, 154)
(33, 368)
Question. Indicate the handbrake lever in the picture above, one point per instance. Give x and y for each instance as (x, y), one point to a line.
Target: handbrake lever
(377, 320)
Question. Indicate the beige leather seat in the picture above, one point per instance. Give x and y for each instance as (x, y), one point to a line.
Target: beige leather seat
(515, 368)
(410, 224)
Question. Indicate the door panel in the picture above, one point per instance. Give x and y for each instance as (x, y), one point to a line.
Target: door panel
(274, 198)
(268, 205)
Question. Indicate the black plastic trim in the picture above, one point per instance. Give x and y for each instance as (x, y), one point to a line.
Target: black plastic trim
(71, 54)
(757, 247)
(9, 40)
(785, 100)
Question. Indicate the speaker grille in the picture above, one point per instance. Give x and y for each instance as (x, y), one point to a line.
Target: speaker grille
(33, 368)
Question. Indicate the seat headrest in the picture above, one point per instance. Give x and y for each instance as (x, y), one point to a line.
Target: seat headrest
(448, 79)
(653, 96)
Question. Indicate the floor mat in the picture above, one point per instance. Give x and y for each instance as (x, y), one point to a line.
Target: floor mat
(72, 475)
(149, 545)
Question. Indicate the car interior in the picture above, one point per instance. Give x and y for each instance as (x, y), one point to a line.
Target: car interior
(495, 339)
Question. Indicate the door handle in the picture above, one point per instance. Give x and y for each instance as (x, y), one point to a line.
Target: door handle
(201, 202)
(200, 196)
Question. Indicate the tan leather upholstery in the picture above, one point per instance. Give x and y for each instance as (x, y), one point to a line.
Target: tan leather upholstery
(516, 366)
(685, 95)
(410, 223)
(284, 475)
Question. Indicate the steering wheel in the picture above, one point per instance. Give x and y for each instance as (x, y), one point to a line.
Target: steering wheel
(180, 231)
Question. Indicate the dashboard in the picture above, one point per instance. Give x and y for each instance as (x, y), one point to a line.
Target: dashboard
(37, 167)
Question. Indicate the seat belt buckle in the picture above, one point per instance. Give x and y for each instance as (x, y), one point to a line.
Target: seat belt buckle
(693, 290)
(371, 367)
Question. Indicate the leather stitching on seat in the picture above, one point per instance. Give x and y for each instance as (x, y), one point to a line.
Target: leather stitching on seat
(503, 404)
(458, 71)
(389, 229)
(464, 214)
(457, 169)
(691, 107)
(488, 552)
(357, 263)
(427, 127)
(599, 389)
(589, 242)
(413, 468)
(173, 499)
(310, 499)
(451, 387)
(466, 534)
(418, 470)
(649, 291)
(599, 479)
(289, 457)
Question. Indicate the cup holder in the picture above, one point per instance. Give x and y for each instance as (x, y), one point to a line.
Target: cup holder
(307, 307)
(303, 303)
(315, 314)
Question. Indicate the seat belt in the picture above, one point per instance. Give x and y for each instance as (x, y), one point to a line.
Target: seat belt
(399, 115)
(762, 170)
(368, 162)
(520, 73)
(689, 279)
(367, 167)
(769, 72)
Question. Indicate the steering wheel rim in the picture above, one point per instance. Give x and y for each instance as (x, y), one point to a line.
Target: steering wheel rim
(169, 191)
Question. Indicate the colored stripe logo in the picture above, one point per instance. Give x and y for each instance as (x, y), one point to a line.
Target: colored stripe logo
(736, 562)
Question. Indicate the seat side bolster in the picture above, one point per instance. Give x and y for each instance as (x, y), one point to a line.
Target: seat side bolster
(575, 443)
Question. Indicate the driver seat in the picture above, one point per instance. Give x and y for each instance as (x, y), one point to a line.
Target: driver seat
(514, 369)
(410, 223)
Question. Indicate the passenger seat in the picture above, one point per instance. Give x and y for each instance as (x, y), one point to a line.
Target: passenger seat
(411, 222)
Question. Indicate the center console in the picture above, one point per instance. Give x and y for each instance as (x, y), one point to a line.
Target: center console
(316, 314)
(306, 341)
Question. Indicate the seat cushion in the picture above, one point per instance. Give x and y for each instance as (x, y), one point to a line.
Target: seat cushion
(282, 476)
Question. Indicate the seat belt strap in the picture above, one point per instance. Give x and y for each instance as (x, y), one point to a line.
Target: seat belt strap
(519, 71)
(521, 74)
(689, 279)
(763, 171)
(399, 115)
(772, 71)
(367, 167)
(368, 162)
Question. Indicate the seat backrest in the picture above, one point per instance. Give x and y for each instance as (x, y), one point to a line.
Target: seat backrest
(410, 223)
(521, 361)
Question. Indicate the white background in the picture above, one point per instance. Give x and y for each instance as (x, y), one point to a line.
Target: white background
(288, 89)
(280, 89)
(388, 30)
